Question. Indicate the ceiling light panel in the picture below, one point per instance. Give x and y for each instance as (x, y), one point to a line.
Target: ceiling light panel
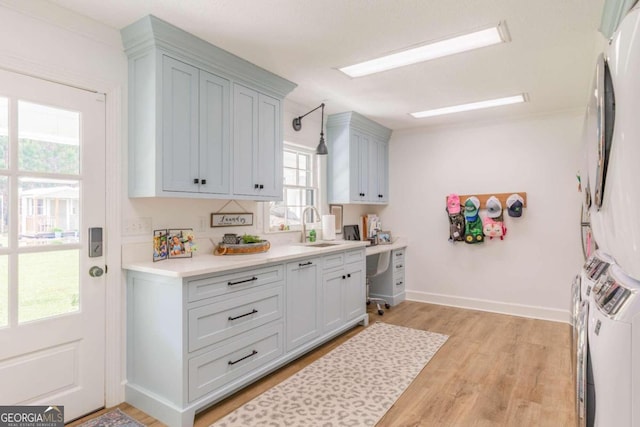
(451, 46)
(472, 106)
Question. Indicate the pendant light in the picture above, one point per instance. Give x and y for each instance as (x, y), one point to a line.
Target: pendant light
(321, 149)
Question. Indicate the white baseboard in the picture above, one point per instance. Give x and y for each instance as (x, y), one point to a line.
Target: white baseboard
(520, 310)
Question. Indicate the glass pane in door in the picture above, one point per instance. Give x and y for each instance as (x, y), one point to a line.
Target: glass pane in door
(49, 211)
(48, 139)
(4, 212)
(48, 284)
(4, 133)
(4, 291)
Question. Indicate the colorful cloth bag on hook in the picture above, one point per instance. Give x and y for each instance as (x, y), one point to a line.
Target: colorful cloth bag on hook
(456, 219)
(473, 224)
(493, 223)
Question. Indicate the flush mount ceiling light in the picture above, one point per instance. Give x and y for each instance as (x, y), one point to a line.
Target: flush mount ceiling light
(321, 149)
(472, 106)
(426, 52)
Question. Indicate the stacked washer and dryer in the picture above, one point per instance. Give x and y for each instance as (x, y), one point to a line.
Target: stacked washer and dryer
(606, 295)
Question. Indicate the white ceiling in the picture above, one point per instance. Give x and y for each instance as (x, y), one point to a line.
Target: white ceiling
(550, 56)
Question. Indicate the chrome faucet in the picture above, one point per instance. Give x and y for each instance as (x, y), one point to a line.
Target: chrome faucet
(303, 238)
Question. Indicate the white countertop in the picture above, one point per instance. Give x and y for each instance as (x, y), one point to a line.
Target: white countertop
(208, 264)
(396, 244)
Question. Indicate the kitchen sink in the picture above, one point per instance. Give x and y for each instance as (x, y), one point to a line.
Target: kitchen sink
(320, 245)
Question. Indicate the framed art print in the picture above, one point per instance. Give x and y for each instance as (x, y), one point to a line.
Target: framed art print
(180, 243)
(160, 251)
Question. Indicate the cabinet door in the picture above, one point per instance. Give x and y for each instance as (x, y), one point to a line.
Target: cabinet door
(269, 148)
(333, 313)
(215, 143)
(180, 133)
(245, 136)
(303, 293)
(354, 291)
(359, 167)
(378, 174)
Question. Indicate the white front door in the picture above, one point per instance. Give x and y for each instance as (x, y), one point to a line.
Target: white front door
(52, 190)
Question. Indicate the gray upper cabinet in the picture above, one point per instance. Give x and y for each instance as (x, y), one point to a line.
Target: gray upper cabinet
(202, 122)
(215, 147)
(358, 161)
(257, 144)
(195, 129)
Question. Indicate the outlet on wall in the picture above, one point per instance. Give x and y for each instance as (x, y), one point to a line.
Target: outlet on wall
(136, 226)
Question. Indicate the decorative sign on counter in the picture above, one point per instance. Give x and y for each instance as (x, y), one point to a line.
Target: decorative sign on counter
(231, 219)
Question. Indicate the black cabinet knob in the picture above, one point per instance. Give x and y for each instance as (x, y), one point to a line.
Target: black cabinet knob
(261, 186)
(256, 186)
(349, 275)
(204, 181)
(344, 277)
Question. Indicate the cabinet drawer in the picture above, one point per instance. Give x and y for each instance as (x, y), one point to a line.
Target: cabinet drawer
(250, 351)
(398, 284)
(249, 309)
(398, 265)
(354, 256)
(333, 261)
(398, 255)
(220, 285)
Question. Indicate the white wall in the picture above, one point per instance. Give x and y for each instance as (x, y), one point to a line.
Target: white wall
(530, 272)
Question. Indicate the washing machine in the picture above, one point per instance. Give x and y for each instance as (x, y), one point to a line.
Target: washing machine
(614, 349)
(614, 152)
(594, 267)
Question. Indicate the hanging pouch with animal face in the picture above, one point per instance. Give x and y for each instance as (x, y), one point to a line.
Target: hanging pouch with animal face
(492, 228)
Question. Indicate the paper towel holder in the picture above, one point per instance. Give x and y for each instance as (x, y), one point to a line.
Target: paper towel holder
(336, 210)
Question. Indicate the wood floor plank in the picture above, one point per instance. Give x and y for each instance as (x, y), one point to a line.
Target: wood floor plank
(495, 370)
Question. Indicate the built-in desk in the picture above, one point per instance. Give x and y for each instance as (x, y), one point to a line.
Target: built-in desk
(390, 285)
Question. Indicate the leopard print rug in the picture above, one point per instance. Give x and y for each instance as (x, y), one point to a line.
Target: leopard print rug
(353, 385)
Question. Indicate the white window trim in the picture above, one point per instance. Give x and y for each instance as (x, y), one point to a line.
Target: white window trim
(315, 176)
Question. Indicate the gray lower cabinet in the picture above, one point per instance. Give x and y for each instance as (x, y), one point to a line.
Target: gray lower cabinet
(194, 341)
(391, 284)
(343, 295)
(303, 294)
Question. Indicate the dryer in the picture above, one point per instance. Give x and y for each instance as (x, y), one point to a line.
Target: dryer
(593, 269)
(614, 150)
(614, 349)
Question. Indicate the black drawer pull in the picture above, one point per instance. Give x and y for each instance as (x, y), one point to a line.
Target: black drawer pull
(196, 180)
(204, 181)
(254, 311)
(242, 281)
(349, 275)
(303, 264)
(253, 353)
(261, 186)
(399, 254)
(256, 186)
(344, 277)
(399, 266)
(399, 283)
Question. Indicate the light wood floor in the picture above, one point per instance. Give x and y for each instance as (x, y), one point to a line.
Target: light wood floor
(495, 370)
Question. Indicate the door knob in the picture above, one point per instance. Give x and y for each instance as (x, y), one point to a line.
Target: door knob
(96, 271)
